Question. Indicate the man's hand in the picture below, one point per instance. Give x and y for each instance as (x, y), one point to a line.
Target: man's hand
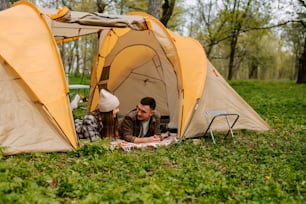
(156, 138)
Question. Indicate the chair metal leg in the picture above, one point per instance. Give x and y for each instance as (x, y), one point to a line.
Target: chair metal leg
(229, 129)
(212, 135)
(216, 114)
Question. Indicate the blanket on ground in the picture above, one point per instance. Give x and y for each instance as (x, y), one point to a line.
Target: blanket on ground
(128, 146)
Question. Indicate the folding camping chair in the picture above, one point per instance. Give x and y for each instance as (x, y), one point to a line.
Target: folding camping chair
(212, 115)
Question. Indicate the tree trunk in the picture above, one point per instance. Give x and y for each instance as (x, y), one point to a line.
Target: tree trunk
(253, 71)
(77, 56)
(100, 6)
(167, 11)
(301, 78)
(4, 4)
(232, 55)
(154, 8)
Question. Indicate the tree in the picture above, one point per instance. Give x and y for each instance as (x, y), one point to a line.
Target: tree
(265, 56)
(168, 8)
(4, 4)
(223, 23)
(241, 17)
(294, 35)
(302, 67)
(301, 78)
(100, 6)
(154, 8)
(210, 25)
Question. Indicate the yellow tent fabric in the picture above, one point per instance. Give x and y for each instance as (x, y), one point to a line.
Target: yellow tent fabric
(150, 60)
(193, 59)
(36, 114)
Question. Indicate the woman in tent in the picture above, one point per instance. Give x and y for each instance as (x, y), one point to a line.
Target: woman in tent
(102, 122)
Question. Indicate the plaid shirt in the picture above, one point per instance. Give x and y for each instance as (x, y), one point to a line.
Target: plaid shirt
(91, 127)
(130, 127)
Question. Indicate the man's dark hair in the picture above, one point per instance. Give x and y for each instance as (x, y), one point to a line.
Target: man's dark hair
(148, 101)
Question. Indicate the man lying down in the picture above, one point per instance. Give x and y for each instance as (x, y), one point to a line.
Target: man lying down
(140, 128)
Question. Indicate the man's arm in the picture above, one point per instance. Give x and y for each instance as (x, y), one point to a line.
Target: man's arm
(126, 129)
(155, 138)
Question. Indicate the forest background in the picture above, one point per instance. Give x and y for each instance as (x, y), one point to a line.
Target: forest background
(244, 39)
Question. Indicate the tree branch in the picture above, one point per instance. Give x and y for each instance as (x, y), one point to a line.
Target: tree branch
(303, 3)
(274, 26)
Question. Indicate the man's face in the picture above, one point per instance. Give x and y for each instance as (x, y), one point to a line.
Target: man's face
(144, 112)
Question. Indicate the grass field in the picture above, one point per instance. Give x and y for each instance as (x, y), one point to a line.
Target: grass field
(265, 167)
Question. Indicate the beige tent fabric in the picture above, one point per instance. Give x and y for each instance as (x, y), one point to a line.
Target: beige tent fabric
(28, 46)
(82, 23)
(97, 19)
(24, 124)
(219, 95)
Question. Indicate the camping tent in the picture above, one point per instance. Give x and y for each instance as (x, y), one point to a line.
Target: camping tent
(139, 57)
(35, 109)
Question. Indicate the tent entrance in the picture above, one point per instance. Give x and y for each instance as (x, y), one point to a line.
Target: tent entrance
(141, 71)
(141, 75)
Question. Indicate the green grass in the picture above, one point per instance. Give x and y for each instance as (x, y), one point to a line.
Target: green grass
(79, 79)
(265, 167)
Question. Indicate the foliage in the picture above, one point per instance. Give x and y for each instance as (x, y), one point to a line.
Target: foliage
(240, 17)
(259, 168)
(259, 50)
(223, 27)
(84, 93)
